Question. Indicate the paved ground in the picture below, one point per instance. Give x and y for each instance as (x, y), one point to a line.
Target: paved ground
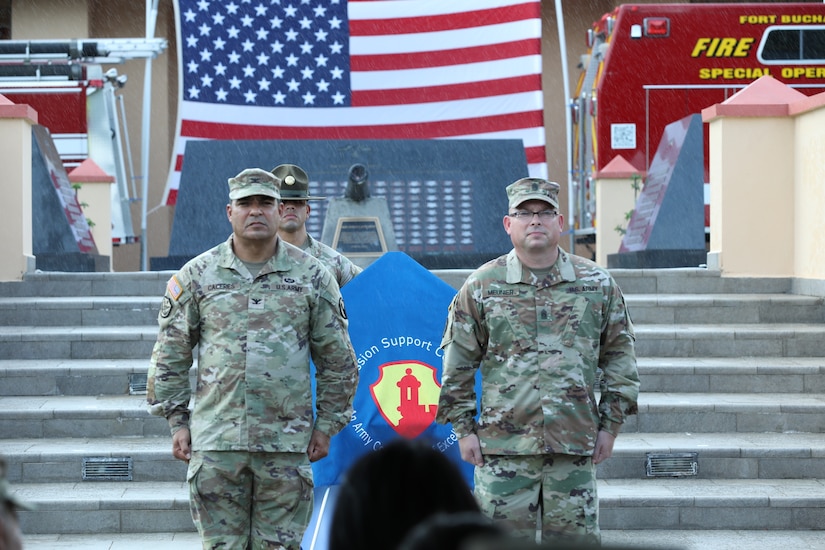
(716, 540)
(669, 540)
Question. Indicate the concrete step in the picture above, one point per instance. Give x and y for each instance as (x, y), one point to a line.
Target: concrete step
(644, 308)
(188, 540)
(685, 309)
(19, 377)
(126, 415)
(60, 460)
(731, 340)
(728, 413)
(691, 280)
(687, 280)
(732, 374)
(719, 539)
(79, 311)
(723, 455)
(120, 342)
(78, 417)
(672, 503)
(625, 539)
(105, 507)
(685, 504)
(137, 283)
(632, 281)
(661, 282)
(664, 340)
(719, 456)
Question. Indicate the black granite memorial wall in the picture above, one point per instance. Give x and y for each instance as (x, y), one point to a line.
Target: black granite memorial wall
(61, 237)
(667, 227)
(446, 197)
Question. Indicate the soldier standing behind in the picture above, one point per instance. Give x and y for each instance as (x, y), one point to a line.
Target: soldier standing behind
(294, 184)
(256, 309)
(541, 326)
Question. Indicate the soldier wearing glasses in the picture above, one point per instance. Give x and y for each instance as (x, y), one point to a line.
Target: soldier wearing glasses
(544, 328)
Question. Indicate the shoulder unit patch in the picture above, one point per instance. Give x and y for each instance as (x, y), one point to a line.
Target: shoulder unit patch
(165, 307)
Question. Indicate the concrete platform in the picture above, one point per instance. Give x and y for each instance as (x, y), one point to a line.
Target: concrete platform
(80, 311)
(733, 369)
(40, 377)
(656, 503)
(727, 308)
(720, 455)
(652, 340)
(644, 309)
(66, 342)
(658, 539)
(659, 412)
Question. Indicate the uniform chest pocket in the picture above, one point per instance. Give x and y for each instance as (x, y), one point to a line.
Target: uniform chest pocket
(512, 326)
(578, 316)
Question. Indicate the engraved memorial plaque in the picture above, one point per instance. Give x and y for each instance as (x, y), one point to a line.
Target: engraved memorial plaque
(359, 237)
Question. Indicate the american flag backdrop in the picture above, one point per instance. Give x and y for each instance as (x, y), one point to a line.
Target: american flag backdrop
(359, 69)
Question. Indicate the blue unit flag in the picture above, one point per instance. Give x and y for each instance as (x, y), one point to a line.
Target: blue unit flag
(396, 310)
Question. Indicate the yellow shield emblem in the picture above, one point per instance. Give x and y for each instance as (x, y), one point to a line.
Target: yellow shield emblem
(406, 394)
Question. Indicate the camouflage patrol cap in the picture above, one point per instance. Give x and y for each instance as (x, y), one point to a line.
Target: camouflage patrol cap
(294, 183)
(527, 189)
(253, 181)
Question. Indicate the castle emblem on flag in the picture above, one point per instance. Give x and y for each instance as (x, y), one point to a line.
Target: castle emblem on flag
(406, 394)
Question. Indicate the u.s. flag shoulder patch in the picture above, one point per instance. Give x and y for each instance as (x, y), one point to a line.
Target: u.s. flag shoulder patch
(174, 288)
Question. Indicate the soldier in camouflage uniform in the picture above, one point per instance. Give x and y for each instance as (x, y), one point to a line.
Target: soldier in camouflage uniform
(294, 184)
(543, 327)
(256, 309)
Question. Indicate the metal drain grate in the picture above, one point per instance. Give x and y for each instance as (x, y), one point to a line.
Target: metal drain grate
(672, 465)
(137, 384)
(107, 469)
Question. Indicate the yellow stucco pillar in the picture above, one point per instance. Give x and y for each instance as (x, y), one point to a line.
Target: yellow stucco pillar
(752, 181)
(16, 123)
(617, 186)
(94, 193)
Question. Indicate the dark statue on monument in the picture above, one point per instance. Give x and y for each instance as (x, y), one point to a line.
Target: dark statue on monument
(359, 225)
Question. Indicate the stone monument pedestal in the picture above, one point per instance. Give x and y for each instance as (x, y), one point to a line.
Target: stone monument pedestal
(654, 259)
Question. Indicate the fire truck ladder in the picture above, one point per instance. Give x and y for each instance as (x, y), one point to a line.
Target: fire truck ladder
(585, 106)
(97, 50)
(44, 65)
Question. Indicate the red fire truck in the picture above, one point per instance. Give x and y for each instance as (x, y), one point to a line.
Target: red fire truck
(648, 65)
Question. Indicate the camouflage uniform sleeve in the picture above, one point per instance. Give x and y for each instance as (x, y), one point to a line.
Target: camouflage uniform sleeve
(168, 387)
(464, 345)
(336, 371)
(348, 271)
(342, 268)
(617, 360)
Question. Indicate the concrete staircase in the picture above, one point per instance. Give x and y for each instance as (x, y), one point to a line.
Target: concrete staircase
(732, 370)
(74, 351)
